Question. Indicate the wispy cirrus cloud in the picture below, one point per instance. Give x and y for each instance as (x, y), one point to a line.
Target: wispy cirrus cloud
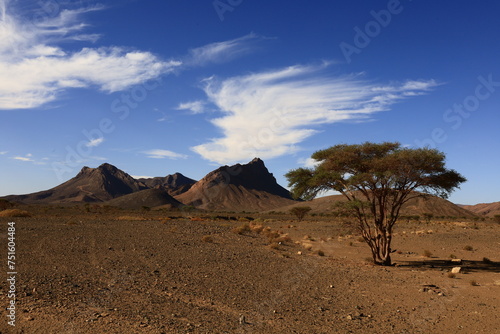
(164, 154)
(27, 158)
(39, 70)
(95, 142)
(268, 114)
(220, 52)
(194, 107)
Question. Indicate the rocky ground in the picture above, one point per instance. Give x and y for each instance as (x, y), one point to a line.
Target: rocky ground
(140, 272)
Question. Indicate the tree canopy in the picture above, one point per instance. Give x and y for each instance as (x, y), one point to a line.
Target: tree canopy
(376, 179)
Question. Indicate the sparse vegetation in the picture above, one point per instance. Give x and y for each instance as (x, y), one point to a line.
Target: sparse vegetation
(300, 211)
(468, 248)
(14, 213)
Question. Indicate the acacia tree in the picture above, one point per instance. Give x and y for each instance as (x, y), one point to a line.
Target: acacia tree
(376, 180)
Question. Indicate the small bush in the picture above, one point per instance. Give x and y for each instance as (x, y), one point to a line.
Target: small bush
(300, 211)
(427, 253)
(257, 228)
(468, 248)
(242, 229)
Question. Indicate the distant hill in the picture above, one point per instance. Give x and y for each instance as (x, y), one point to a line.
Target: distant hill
(145, 198)
(89, 185)
(249, 187)
(484, 209)
(417, 206)
(175, 184)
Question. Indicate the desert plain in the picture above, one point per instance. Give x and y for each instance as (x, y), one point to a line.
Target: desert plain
(97, 269)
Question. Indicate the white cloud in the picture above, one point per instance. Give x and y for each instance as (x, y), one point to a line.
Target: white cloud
(309, 162)
(95, 142)
(39, 70)
(26, 158)
(162, 154)
(195, 107)
(268, 114)
(141, 177)
(222, 51)
(4, 152)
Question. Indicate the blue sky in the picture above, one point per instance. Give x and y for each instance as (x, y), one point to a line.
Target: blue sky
(157, 87)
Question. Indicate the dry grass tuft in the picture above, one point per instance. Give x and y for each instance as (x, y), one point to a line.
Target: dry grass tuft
(131, 218)
(14, 213)
(242, 229)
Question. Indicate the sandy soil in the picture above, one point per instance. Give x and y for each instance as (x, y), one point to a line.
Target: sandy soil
(141, 273)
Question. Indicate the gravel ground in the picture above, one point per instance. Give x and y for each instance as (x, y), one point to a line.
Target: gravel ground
(90, 273)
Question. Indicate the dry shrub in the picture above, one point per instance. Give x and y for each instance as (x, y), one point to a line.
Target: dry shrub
(469, 248)
(14, 213)
(427, 253)
(241, 229)
(257, 228)
(207, 238)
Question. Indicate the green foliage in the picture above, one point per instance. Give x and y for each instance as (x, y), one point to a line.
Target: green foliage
(300, 211)
(376, 179)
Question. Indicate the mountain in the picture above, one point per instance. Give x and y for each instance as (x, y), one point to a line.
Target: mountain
(484, 209)
(249, 187)
(145, 198)
(89, 185)
(437, 206)
(175, 184)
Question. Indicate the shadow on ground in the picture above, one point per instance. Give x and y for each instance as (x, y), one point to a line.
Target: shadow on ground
(467, 266)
